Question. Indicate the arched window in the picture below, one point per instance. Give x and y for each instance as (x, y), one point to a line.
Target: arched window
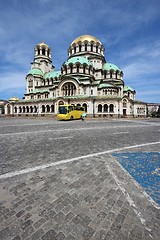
(105, 108)
(27, 109)
(15, 109)
(77, 68)
(124, 103)
(69, 89)
(116, 74)
(20, 109)
(24, 109)
(78, 104)
(71, 68)
(110, 74)
(84, 69)
(99, 108)
(111, 108)
(65, 69)
(105, 74)
(43, 51)
(96, 49)
(74, 49)
(89, 71)
(80, 48)
(38, 51)
(85, 47)
(43, 108)
(91, 47)
(85, 106)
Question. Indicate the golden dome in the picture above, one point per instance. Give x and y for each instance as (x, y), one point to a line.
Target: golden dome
(42, 44)
(86, 38)
(14, 99)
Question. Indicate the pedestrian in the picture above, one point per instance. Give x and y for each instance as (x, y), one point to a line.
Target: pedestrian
(83, 116)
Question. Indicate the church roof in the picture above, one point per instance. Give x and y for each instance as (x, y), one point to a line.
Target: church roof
(110, 66)
(81, 60)
(88, 38)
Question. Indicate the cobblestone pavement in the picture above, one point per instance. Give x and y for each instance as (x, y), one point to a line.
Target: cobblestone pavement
(59, 180)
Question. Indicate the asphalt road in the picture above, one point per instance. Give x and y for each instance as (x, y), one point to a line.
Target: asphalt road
(60, 180)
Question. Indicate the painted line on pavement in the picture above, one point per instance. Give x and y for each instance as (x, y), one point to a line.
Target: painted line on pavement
(120, 133)
(44, 166)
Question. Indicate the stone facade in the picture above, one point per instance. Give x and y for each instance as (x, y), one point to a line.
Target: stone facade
(85, 79)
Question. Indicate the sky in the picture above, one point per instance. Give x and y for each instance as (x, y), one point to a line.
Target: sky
(129, 31)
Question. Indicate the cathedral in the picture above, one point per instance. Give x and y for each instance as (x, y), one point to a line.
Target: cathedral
(85, 79)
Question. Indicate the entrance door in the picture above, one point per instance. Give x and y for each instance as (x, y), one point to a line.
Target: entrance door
(124, 112)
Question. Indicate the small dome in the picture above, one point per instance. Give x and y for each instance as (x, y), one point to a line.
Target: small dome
(105, 85)
(42, 44)
(110, 66)
(35, 71)
(13, 99)
(128, 88)
(81, 60)
(2, 102)
(88, 38)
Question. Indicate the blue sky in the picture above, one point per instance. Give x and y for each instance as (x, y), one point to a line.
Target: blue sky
(129, 31)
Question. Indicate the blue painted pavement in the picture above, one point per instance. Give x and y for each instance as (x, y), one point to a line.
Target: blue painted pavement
(144, 167)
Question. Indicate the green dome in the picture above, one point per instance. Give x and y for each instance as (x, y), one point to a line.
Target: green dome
(52, 74)
(81, 60)
(110, 66)
(35, 71)
(105, 85)
(127, 88)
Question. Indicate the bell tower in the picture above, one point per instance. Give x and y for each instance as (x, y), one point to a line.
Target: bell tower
(42, 58)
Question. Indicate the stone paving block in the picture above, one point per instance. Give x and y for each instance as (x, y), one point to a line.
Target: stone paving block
(37, 235)
(17, 238)
(60, 236)
(100, 235)
(26, 224)
(27, 232)
(88, 233)
(40, 222)
(50, 235)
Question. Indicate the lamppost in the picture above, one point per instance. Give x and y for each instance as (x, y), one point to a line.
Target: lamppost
(93, 107)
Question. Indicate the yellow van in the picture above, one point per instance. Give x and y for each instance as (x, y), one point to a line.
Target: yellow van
(70, 112)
